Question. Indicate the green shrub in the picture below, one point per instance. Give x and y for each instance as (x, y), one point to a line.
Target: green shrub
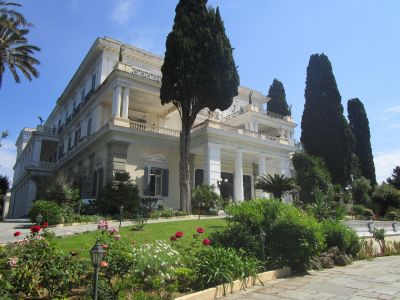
(294, 238)
(215, 265)
(368, 213)
(358, 209)
(392, 215)
(50, 211)
(338, 234)
(185, 278)
(360, 189)
(205, 199)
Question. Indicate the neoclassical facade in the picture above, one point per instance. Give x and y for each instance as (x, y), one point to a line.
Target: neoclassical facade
(110, 118)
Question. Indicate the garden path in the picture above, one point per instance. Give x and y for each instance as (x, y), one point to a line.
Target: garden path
(8, 227)
(363, 280)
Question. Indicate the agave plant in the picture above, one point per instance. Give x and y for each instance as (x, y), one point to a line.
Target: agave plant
(278, 185)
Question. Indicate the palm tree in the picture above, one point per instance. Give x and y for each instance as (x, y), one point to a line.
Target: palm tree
(15, 52)
(278, 185)
(7, 14)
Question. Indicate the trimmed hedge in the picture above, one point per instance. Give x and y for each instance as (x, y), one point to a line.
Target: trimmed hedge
(338, 234)
(50, 211)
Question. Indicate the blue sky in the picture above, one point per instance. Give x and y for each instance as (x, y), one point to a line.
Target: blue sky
(272, 39)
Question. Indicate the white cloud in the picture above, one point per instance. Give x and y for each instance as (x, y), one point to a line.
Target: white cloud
(385, 162)
(123, 11)
(8, 153)
(394, 109)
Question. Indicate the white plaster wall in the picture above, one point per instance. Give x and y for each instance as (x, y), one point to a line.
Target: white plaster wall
(135, 167)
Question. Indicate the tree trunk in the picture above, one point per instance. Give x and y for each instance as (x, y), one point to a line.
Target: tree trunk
(184, 178)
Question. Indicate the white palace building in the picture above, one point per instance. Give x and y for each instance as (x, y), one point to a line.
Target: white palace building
(110, 118)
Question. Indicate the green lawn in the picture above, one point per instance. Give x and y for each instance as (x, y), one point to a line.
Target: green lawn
(160, 231)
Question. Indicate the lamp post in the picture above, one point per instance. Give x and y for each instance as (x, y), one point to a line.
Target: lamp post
(96, 255)
(121, 210)
(39, 218)
(262, 238)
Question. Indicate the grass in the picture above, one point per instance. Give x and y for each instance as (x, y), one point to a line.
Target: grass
(82, 243)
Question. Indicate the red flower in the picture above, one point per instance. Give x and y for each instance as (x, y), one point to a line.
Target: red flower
(104, 246)
(45, 225)
(200, 230)
(206, 242)
(35, 229)
(17, 233)
(179, 234)
(172, 238)
(104, 264)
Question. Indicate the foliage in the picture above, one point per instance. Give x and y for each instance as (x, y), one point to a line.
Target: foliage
(3, 135)
(386, 195)
(394, 180)
(15, 50)
(205, 199)
(368, 213)
(198, 72)
(379, 236)
(359, 125)
(216, 265)
(278, 103)
(360, 189)
(4, 184)
(338, 234)
(278, 185)
(325, 131)
(63, 193)
(167, 213)
(185, 278)
(36, 268)
(121, 191)
(50, 211)
(393, 215)
(303, 235)
(139, 222)
(320, 209)
(358, 209)
(311, 175)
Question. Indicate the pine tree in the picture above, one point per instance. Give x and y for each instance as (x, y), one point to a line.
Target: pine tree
(325, 131)
(278, 103)
(359, 125)
(198, 72)
(394, 180)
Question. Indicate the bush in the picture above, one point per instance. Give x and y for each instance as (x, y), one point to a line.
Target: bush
(50, 211)
(386, 195)
(392, 215)
(358, 209)
(368, 213)
(121, 191)
(205, 199)
(294, 239)
(360, 189)
(338, 234)
(215, 265)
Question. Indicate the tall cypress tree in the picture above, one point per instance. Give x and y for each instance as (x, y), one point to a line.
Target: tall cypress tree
(198, 72)
(278, 103)
(325, 131)
(359, 125)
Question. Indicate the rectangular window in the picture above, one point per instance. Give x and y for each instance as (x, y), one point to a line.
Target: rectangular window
(155, 181)
(93, 81)
(59, 123)
(69, 143)
(77, 136)
(89, 127)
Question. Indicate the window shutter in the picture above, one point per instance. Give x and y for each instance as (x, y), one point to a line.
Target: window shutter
(146, 186)
(165, 182)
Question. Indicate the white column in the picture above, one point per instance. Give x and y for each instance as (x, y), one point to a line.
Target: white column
(285, 167)
(97, 120)
(262, 169)
(255, 126)
(116, 104)
(37, 149)
(125, 102)
(212, 165)
(238, 178)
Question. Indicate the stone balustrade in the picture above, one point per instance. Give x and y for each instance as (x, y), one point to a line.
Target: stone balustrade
(364, 228)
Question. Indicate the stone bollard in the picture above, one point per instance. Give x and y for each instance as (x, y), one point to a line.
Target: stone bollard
(394, 224)
(370, 225)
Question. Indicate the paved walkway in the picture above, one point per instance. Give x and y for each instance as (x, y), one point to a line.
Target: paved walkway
(8, 228)
(363, 280)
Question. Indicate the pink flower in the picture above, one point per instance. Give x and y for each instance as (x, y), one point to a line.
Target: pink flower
(12, 261)
(206, 242)
(104, 246)
(179, 234)
(39, 237)
(200, 230)
(117, 237)
(113, 230)
(45, 225)
(172, 238)
(104, 264)
(103, 225)
(17, 233)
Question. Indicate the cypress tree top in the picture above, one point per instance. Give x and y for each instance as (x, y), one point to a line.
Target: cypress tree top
(278, 103)
(325, 131)
(359, 125)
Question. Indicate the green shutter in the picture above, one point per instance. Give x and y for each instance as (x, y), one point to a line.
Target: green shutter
(146, 186)
(165, 182)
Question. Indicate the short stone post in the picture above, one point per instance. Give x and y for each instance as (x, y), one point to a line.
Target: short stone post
(394, 224)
